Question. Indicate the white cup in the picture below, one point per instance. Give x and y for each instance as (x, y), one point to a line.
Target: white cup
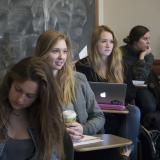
(69, 116)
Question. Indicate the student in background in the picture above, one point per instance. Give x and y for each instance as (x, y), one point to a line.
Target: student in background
(138, 61)
(75, 92)
(104, 64)
(31, 124)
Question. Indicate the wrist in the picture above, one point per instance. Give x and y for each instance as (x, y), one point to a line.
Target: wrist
(125, 157)
(141, 57)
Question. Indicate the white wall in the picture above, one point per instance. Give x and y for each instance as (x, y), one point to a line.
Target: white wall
(122, 15)
(101, 11)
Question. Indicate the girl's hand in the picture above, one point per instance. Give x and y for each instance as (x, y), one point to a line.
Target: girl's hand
(144, 53)
(75, 130)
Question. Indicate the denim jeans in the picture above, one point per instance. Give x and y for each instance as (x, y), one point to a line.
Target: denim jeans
(125, 125)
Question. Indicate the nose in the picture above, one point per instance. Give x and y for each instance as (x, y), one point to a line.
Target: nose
(21, 99)
(61, 55)
(107, 44)
(148, 40)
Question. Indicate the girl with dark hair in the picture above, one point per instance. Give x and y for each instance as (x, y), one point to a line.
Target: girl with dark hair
(138, 60)
(31, 123)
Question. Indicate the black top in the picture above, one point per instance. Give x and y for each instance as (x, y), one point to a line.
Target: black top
(23, 148)
(84, 67)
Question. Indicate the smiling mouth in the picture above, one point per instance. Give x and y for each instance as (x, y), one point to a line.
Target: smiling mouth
(59, 63)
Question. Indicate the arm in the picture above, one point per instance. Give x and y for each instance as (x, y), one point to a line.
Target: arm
(90, 118)
(95, 120)
(142, 67)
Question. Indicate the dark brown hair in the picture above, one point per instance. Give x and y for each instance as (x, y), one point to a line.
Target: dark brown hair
(45, 112)
(135, 34)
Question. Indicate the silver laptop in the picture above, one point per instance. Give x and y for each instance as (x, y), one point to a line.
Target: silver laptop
(109, 93)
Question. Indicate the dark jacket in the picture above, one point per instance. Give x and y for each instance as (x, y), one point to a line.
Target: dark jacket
(135, 69)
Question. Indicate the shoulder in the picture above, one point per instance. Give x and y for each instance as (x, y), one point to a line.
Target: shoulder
(84, 67)
(150, 55)
(83, 62)
(81, 81)
(79, 76)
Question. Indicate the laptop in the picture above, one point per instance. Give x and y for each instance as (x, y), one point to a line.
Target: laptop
(110, 95)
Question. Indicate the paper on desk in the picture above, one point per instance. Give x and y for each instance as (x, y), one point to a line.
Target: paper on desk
(139, 83)
(87, 140)
(83, 53)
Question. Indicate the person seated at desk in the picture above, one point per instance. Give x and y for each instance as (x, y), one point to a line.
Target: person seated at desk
(75, 91)
(138, 61)
(104, 64)
(31, 124)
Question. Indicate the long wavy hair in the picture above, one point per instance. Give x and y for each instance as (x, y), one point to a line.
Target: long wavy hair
(45, 112)
(65, 77)
(114, 62)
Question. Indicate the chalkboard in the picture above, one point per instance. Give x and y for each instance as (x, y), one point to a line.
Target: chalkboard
(22, 21)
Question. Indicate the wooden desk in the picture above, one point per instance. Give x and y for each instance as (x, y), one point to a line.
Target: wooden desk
(109, 141)
(116, 111)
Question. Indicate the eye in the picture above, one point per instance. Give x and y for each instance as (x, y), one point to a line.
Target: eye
(55, 51)
(65, 51)
(31, 96)
(111, 41)
(18, 89)
(107, 41)
(103, 41)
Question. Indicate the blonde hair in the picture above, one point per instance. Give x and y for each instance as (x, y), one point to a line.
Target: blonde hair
(65, 77)
(114, 67)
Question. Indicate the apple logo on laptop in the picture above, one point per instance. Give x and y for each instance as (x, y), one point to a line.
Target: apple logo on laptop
(103, 94)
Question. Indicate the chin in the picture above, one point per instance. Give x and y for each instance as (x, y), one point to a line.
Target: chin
(107, 54)
(58, 68)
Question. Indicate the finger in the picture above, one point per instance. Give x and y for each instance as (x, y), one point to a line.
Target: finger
(74, 132)
(70, 131)
(75, 137)
(74, 124)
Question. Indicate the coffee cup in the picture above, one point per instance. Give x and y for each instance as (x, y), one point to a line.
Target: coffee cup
(69, 116)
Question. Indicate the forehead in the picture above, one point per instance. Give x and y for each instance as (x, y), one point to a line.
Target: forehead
(28, 86)
(106, 35)
(146, 35)
(61, 43)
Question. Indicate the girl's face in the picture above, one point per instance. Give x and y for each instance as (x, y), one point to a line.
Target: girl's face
(105, 44)
(58, 55)
(22, 94)
(144, 42)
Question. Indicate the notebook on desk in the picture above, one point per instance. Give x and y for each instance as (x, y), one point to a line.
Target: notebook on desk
(110, 95)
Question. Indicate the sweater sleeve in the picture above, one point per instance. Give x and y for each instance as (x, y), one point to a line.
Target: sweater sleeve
(96, 120)
(90, 115)
(141, 68)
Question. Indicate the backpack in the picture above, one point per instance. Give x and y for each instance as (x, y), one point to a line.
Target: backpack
(151, 121)
(154, 86)
(149, 144)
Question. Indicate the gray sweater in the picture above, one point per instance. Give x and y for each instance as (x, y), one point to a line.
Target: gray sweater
(88, 112)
